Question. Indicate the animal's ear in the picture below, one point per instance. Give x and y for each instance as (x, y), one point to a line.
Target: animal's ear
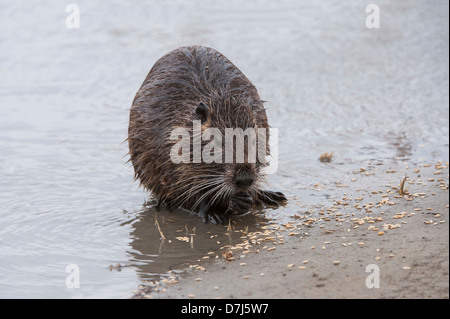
(202, 111)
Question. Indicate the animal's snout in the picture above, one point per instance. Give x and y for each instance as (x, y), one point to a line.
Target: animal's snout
(244, 181)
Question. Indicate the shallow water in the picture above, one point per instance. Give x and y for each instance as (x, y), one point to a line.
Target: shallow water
(67, 195)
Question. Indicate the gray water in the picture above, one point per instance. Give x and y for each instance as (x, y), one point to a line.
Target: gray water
(67, 195)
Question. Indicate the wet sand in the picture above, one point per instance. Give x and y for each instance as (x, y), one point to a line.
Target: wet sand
(328, 258)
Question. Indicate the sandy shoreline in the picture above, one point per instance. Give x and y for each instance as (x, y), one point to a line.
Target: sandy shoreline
(325, 255)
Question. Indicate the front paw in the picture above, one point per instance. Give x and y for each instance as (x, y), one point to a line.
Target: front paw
(214, 217)
(240, 203)
(273, 199)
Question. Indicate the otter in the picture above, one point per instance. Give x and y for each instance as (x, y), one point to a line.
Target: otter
(197, 84)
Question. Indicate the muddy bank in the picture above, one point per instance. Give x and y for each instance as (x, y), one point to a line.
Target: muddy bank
(325, 252)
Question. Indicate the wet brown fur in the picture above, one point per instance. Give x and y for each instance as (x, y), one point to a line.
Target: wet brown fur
(168, 99)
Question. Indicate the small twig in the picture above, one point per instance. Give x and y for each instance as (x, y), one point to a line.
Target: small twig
(229, 225)
(192, 235)
(192, 241)
(159, 228)
(402, 190)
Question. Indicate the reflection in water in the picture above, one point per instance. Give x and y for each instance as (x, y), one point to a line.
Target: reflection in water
(187, 239)
(401, 144)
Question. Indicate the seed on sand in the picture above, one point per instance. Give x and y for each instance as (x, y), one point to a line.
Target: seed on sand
(406, 268)
(391, 226)
(228, 255)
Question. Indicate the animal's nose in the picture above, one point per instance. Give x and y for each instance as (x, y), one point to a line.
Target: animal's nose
(244, 181)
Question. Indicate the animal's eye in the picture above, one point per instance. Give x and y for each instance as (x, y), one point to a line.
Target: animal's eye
(202, 111)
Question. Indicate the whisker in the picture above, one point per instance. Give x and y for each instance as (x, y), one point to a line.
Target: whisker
(197, 189)
(219, 194)
(204, 195)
